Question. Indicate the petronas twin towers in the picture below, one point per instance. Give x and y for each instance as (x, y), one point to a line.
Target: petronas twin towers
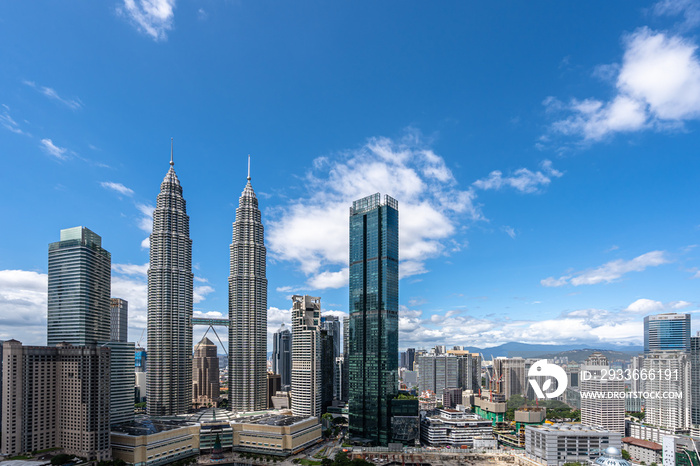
(170, 287)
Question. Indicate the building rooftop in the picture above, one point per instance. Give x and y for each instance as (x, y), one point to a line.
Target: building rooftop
(274, 420)
(565, 427)
(147, 426)
(210, 415)
(642, 443)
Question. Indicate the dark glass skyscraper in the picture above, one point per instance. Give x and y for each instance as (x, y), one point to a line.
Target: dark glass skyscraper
(79, 289)
(667, 332)
(695, 380)
(374, 316)
(282, 356)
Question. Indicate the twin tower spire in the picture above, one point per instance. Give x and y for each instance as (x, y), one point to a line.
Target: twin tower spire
(170, 300)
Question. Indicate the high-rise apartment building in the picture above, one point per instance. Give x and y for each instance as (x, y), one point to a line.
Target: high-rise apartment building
(374, 316)
(282, 356)
(247, 308)
(205, 374)
(667, 332)
(170, 286)
(56, 397)
(510, 376)
(79, 289)
(119, 320)
(306, 356)
(438, 372)
(670, 408)
(122, 380)
(597, 408)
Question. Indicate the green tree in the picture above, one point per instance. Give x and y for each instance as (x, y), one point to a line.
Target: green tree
(626, 455)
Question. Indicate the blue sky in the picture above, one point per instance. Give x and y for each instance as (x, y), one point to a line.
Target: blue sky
(544, 156)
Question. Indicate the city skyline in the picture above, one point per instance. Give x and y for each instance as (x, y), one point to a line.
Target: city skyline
(546, 188)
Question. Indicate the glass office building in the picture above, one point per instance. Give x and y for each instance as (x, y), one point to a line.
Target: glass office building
(79, 288)
(667, 332)
(374, 318)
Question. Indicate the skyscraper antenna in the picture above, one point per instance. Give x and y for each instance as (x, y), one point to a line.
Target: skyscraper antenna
(248, 167)
(171, 152)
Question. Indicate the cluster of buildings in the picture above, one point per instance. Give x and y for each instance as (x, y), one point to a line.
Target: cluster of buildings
(77, 393)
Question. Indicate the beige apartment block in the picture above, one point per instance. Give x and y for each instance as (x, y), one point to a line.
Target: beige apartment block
(56, 397)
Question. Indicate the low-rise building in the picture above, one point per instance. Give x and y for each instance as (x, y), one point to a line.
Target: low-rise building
(147, 442)
(642, 450)
(557, 444)
(275, 434)
(454, 428)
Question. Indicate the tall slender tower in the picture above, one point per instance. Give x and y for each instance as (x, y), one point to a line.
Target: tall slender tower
(247, 307)
(374, 316)
(170, 278)
(282, 356)
(306, 356)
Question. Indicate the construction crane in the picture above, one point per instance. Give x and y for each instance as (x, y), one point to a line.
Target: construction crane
(138, 343)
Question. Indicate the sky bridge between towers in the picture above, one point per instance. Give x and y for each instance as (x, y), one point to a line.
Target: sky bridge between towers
(211, 323)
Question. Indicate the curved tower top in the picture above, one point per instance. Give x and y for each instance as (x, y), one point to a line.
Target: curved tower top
(248, 307)
(170, 286)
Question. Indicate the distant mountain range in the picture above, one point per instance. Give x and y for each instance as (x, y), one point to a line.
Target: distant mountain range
(576, 353)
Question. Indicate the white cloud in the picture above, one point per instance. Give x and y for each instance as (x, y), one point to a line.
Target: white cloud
(327, 279)
(153, 17)
(23, 300)
(73, 104)
(339, 314)
(510, 231)
(523, 179)
(145, 222)
(200, 293)
(50, 148)
(657, 87)
(9, 124)
(287, 289)
(645, 306)
(649, 306)
(118, 187)
(313, 230)
(676, 305)
(583, 326)
(130, 269)
(689, 9)
(609, 271)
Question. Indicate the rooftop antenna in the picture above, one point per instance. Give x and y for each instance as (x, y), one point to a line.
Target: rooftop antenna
(248, 167)
(171, 152)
